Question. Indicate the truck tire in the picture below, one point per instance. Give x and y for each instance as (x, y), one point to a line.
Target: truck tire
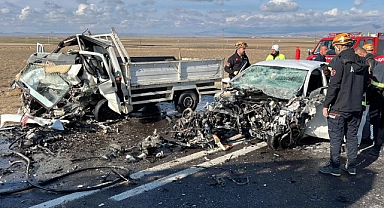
(187, 99)
(102, 112)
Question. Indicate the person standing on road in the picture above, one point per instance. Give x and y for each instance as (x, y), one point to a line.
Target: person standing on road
(374, 98)
(365, 128)
(322, 53)
(342, 105)
(275, 54)
(377, 88)
(238, 61)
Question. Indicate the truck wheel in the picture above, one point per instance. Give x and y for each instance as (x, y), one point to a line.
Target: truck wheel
(103, 112)
(187, 99)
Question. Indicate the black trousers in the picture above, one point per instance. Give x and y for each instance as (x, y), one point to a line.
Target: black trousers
(375, 112)
(343, 124)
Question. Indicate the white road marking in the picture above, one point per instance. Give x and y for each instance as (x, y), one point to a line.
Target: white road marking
(64, 199)
(184, 173)
(171, 164)
(137, 175)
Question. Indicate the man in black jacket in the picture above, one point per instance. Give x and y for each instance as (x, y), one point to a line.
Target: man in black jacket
(343, 104)
(377, 88)
(238, 61)
(374, 100)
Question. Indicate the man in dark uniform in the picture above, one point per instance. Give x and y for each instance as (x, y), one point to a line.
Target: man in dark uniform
(374, 97)
(322, 53)
(238, 61)
(377, 87)
(343, 104)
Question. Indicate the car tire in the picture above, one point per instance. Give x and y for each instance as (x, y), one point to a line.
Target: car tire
(291, 138)
(273, 142)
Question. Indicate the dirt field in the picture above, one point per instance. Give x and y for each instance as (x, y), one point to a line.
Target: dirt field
(15, 50)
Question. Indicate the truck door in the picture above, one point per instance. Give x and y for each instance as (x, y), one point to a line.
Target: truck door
(361, 42)
(369, 41)
(380, 44)
(97, 64)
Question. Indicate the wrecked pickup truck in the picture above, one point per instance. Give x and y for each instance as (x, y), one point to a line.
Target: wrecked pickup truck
(96, 76)
(279, 102)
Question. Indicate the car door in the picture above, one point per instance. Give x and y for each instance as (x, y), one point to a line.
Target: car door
(317, 126)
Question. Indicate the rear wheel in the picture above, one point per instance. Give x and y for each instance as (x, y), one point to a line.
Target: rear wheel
(187, 99)
(103, 112)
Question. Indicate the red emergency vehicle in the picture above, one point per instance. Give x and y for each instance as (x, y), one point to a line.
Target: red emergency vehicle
(359, 39)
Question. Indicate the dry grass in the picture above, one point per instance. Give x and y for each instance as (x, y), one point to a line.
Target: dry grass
(14, 51)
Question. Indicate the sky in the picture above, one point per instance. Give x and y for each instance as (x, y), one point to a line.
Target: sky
(191, 17)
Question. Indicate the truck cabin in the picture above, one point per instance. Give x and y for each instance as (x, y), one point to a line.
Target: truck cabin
(359, 40)
(78, 49)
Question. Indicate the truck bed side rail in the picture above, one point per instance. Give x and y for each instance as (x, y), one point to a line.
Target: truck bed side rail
(149, 73)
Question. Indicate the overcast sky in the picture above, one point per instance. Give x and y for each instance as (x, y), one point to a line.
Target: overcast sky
(189, 17)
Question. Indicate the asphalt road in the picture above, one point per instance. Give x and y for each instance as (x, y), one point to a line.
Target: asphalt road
(248, 175)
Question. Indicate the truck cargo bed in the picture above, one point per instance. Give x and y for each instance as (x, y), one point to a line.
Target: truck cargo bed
(162, 72)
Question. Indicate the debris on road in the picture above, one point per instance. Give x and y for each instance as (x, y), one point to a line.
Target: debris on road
(236, 177)
(25, 119)
(238, 115)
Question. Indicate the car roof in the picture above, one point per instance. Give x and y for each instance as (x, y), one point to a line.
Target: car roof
(292, 63)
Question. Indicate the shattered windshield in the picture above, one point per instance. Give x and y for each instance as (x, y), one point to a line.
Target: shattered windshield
(47, 88)
(274, 81)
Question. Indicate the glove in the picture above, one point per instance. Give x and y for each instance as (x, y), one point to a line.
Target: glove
(236, 72)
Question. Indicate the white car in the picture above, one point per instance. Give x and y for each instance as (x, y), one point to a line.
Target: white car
(285, 97)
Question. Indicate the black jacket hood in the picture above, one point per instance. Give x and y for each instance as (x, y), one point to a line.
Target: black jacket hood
(358, 63)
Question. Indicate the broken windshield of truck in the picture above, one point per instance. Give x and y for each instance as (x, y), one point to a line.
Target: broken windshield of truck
(274, 81)
(44, 83)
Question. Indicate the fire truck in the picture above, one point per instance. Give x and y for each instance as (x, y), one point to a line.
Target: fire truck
(359, 39)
